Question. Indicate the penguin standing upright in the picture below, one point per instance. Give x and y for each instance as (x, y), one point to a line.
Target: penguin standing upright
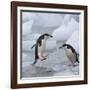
(70, 53)
(40, 47)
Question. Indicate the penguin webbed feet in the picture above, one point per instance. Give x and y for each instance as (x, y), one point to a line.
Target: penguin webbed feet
(75, 64)
(43, 59)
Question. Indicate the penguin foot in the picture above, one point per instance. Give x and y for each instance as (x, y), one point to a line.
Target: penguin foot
(43, 59)
(76, 64)
(45, 55)
(72, 65)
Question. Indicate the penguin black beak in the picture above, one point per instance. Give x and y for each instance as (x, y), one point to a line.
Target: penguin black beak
(51, 36)
(60, 47)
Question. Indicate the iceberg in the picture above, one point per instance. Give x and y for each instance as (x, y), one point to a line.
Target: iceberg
(31, 36)
(26, 27)
(27, 16)
(74, 41)
(64, 32)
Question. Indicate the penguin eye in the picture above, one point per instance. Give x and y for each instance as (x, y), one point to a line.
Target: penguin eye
(67, 47)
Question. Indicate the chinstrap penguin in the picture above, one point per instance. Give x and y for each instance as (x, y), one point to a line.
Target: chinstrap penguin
(72, 55)
(40, 47)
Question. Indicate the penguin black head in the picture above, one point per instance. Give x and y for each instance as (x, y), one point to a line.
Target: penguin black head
(46, 34)
(64, 45)
(43, 37)
(67, 46)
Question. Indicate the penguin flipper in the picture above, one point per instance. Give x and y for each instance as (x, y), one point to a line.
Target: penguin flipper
(33, 46)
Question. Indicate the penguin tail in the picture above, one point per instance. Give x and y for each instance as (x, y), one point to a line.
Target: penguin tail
(77, 56)
(33, 46)
(77, 60)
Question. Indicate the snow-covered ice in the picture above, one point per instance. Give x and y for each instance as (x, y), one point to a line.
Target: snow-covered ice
(63, 28)
(31, 36)
(74, 41)
(26, 27)
(56, 64)
(28, 16)
(48, 20)
(26, 45)
(64, 32)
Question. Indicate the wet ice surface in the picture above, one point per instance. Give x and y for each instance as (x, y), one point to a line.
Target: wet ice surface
(56, 64)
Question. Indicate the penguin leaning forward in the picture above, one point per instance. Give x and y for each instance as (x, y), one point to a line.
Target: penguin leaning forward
(70, 53)
(40, 47)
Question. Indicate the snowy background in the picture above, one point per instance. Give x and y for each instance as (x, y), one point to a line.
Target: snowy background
(64, 28)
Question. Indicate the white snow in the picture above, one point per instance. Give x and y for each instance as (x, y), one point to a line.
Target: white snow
(44, 19)
(60, 34)
(31, 36)
(74, 41)
(26, 45)
(48, 20)
(27, 16)
(26, 27)
(65, 30)
(67, 18)
(50, 44)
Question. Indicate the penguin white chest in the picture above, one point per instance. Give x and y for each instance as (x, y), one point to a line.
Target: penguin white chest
(41, 49)
(68, 52)
(43, 45)
(70, 55)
